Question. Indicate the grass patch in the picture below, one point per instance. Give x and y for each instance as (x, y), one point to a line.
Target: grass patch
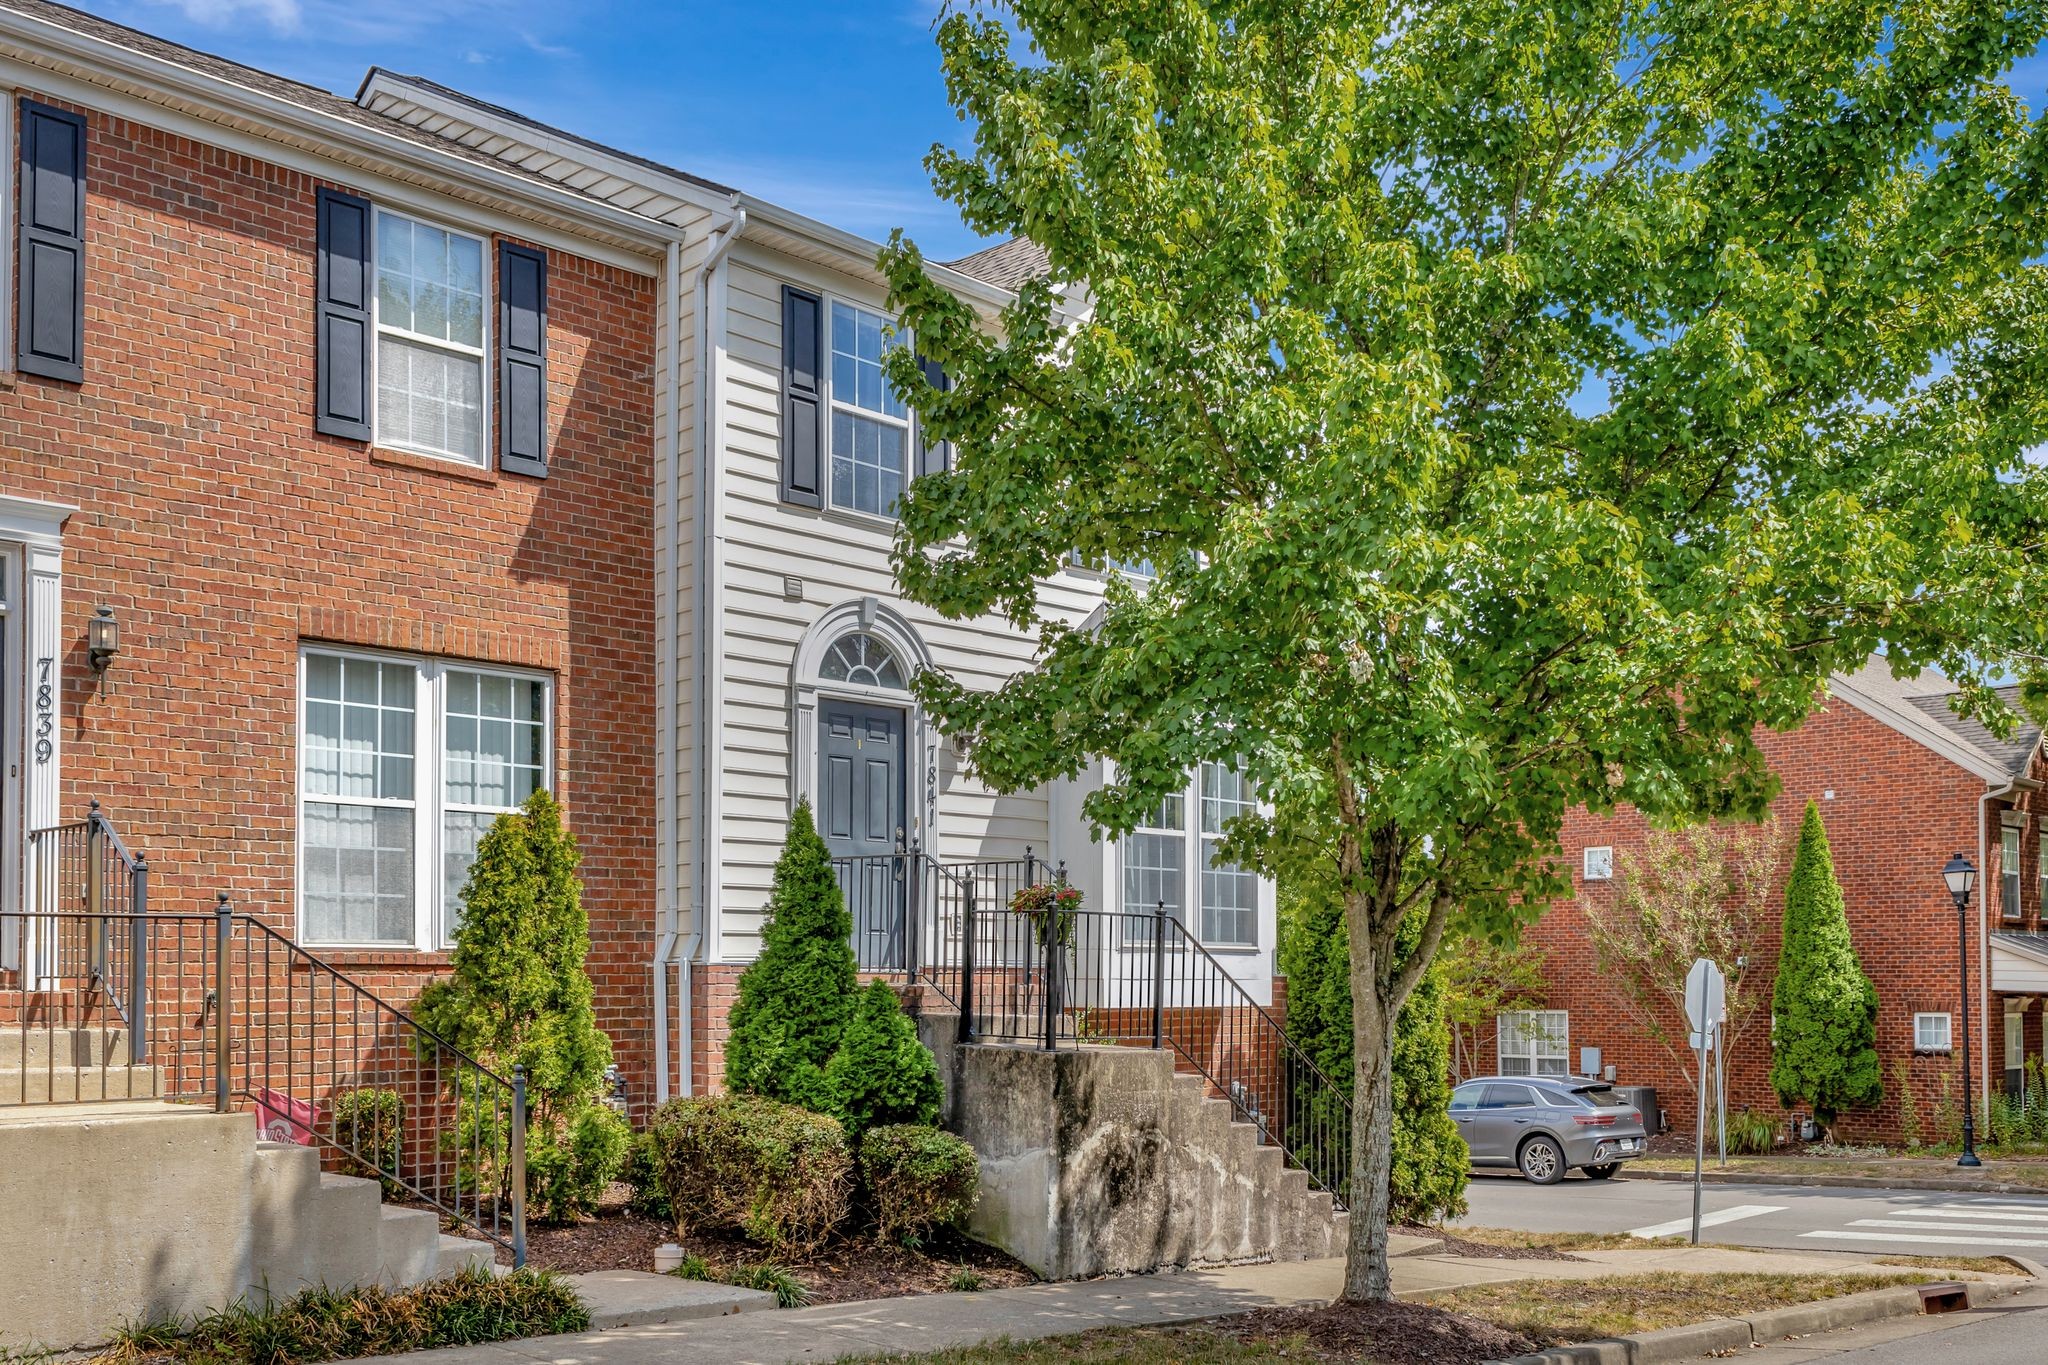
(1561, 1241)
(2030, 1172)
(789, 1291)
(1558, 1311)
(1983, 1265)
(469, 1309)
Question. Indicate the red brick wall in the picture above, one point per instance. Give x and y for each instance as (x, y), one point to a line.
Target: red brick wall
(223, 531)
(1896, 814)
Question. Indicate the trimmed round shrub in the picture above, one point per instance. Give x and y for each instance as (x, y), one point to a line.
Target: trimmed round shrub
(643, 1174)
(918, 1180)
(567, 1169)
(776, 1173)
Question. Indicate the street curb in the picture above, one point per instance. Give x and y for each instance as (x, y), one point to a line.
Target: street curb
(1739, 1335)
(1851, 1182)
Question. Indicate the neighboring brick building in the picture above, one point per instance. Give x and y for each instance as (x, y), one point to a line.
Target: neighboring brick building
(1902, 783)
(353, 431)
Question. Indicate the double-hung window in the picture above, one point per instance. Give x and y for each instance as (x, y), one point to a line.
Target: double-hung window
(870, 444)
(404, 764)
(430, 320)
(2009, 869)
(1171, 861)
(2041, 856)
(1532, 1042)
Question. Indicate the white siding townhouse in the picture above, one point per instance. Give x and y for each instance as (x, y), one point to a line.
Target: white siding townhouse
(784, 650)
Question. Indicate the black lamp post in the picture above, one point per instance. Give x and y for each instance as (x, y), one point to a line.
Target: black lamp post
(1961, 876)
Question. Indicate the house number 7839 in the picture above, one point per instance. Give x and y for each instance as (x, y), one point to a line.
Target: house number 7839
(46, 710)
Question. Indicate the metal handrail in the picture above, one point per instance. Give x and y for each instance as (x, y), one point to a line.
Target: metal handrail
(1142, 979)
(239, 1015)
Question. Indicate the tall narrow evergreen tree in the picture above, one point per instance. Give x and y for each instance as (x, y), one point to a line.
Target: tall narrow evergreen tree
(796, 997)
(1823, 1007)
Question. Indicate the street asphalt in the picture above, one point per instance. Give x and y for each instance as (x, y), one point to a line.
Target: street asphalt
(1817, 1218)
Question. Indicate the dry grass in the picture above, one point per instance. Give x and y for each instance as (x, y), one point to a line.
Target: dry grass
(2031, 1172)
(1982, 1265)
(1558, 1311)
(1560, 1241)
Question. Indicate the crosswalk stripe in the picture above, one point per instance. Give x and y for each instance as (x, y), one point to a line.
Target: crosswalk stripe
(1994, 1215)
(1707, 1220)
(1927, 1241)
(2010, 1208)
(1945, 1227)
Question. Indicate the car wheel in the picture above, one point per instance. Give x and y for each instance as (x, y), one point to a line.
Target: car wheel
(1542, 1161)
(1605, 1172)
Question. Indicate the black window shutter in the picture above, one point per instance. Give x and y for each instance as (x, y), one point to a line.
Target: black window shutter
(523, 360)
(803, 397)
(933, 457)
(52, 305)
(342, 311)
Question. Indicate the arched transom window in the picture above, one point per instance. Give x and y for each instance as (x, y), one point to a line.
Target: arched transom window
(861, 659)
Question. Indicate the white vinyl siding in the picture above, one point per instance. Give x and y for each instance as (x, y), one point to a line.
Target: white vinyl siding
(1533, 1042)
(404, 764)
(431, 307)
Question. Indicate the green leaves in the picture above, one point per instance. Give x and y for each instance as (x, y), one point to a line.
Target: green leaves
(1824, 1044)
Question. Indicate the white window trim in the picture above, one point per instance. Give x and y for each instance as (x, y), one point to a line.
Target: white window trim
(1193, 864)
(2012, 875)
(834, 403)
(429, 733)
(481, 354)
(1532, 1054)
(1948, 1043)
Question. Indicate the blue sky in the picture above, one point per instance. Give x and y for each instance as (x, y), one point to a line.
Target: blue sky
(825, 108)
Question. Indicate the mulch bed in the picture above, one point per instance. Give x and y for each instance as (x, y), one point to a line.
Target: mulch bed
(1455, 1245)
(844, 1270)
(1396, 1333)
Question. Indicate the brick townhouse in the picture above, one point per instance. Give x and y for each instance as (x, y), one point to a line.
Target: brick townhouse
(1902, 783)
(349, 431)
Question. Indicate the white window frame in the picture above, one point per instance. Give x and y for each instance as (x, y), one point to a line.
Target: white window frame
(481, 354)
(1948, 1038)
(1596, 863)
(429, 803)
(833, 403)
(1194, 862)
(1536, 1036)
(2012, 876)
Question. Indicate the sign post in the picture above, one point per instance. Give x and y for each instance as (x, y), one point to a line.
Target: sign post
(1706, 1004)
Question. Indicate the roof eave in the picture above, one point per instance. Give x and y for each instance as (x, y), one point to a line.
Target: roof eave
(1919, 729)
(92, 57)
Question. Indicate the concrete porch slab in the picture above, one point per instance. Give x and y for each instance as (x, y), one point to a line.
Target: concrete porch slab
(640, 1298)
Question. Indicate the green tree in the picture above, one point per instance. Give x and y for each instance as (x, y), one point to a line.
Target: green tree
(519, 995)
(1823, 1008)
(1482, 981)
(1426, 1178)
(797, 996)
(880, 1073)
(1520, 405)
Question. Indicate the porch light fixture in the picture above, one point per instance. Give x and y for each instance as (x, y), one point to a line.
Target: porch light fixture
(1960, 875)
(102, 639)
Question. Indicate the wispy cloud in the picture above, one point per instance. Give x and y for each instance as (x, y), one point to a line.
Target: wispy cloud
(283, 16)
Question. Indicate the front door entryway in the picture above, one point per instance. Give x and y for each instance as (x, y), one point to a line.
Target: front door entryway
(862, 812)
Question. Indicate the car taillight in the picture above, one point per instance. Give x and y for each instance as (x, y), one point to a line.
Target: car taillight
(1594, 1120)
(1634, 1117)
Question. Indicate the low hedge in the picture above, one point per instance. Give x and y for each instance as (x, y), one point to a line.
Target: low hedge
(917, 1180)
(779, 1174)
(468, 1309)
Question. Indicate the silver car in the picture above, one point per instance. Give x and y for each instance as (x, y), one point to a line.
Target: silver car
(1544, 1126)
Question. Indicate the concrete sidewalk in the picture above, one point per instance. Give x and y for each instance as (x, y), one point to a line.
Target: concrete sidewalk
(937, 1321)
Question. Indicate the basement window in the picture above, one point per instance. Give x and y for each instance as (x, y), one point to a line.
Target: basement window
(1931, 1033)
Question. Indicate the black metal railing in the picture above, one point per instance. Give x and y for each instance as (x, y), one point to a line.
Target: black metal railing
(74, 877)
(910, 911)
(1128, 979)
(218, 1008)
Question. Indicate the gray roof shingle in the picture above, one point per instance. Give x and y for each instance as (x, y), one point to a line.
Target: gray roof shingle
(1006, 264)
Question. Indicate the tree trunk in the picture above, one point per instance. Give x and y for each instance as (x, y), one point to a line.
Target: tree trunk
(1367, 1277)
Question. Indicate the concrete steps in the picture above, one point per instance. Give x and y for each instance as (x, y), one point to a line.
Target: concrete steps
(37, 1045)
(1249, 1204)
(313, 1227)
(50, 1082)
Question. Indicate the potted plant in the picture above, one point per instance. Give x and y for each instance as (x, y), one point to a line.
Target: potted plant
(1050, 906)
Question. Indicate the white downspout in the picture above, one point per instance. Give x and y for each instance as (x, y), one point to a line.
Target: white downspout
(664, 729)
(705, 620)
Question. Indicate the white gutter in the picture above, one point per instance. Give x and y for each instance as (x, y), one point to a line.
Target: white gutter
(708, 615)
(110, 60)
(861, 252)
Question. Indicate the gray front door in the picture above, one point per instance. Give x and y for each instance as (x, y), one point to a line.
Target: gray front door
(861, 813)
